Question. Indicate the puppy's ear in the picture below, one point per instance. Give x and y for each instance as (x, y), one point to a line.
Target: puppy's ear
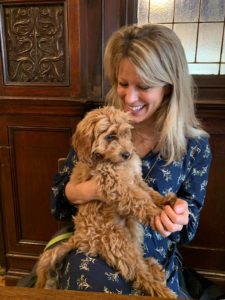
(83, 138)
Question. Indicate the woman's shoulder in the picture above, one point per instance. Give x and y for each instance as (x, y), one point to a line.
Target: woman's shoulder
(201, 141)
(198, 146)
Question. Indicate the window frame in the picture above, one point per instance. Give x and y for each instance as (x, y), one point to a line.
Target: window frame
(210, 88)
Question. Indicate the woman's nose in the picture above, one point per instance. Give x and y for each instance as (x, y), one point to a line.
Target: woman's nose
(131, 95)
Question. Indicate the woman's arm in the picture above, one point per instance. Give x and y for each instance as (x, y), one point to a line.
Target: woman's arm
(65, 194)
(61, 208)
(82, 192)
(181, 221)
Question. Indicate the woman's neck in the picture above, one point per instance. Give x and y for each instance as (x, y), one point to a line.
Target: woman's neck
(145, 140)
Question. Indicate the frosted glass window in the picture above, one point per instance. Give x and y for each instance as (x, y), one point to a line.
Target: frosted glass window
(222, 69)
(186, 11)
(188, 36)
(161, 11)
(200, 26)
(204, 69)
(209, 42)
(223, 52)
(170, 26)
(143, 11)
(212, 10)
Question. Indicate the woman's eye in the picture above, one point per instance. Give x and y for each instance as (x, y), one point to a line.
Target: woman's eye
(123, 84)
(144, 87)
(110, 137)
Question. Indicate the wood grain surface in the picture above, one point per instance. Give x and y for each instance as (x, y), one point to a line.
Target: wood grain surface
(15, 293)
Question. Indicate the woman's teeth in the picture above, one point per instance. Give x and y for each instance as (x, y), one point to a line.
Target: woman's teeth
(136, 108)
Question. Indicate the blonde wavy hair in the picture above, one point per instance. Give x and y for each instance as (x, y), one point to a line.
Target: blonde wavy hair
(159, 59)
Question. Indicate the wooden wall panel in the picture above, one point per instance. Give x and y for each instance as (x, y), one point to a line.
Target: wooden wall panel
(34, 153)
(2, 244)
(206, 253)
(28, 162)
(39, 49)
(50, 75)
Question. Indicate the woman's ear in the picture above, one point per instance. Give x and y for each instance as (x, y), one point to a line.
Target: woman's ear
(168, 89)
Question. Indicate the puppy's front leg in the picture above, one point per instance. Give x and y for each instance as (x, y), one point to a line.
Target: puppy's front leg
(158, 199)
(133, 201)
(150, 205)
(140, 203)
(143, 207)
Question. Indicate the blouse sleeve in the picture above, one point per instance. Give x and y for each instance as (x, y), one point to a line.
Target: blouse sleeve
(61, 208)
(193, 189)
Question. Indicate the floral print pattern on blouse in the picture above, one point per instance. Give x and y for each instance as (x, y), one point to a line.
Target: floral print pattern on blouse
(187, 178)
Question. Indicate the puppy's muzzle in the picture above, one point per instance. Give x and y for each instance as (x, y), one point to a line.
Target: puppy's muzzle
(125, 155)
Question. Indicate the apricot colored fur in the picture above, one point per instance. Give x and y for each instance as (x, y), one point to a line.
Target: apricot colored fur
(111, 228)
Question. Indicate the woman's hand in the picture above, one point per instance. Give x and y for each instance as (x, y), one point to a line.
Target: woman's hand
(172, 219)
(83, 192)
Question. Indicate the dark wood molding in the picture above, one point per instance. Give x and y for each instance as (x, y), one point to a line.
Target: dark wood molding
(210, 87)
(18, 293)
(49, 106)
(210, 81)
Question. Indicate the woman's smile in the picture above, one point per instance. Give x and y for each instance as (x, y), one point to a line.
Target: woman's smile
(140, 100)
(135, 109)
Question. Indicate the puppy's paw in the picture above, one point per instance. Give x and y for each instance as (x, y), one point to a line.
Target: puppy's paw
(170, 199)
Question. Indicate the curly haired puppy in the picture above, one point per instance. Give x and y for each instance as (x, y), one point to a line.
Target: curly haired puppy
(111, 227)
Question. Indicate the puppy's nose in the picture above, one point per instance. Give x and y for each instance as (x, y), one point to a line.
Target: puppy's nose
(125, 155)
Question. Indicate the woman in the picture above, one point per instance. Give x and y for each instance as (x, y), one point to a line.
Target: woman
(149, 78)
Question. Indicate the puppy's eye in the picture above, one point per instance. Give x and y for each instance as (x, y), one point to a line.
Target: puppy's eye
(110, 137)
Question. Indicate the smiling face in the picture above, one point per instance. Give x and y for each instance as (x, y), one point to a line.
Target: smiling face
(140, 100)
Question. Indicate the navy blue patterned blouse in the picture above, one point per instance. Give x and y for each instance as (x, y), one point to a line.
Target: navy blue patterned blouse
(187, 178)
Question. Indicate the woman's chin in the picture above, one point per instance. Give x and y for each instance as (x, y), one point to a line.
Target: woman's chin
(137, 116)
